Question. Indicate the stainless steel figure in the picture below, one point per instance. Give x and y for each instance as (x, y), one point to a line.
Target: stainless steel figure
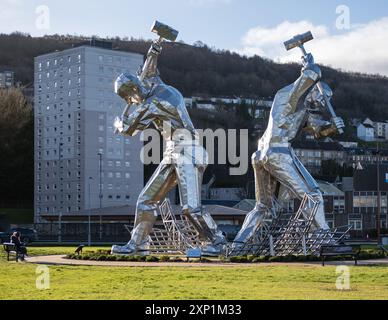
(184, 159)
(278, 172)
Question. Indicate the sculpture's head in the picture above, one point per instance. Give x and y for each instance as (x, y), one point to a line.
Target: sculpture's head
(130, 88)
(315, 100)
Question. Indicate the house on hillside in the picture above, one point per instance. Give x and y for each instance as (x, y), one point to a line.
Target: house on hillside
(366, 132)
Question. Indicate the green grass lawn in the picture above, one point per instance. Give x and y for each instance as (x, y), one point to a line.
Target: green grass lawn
(17, 281)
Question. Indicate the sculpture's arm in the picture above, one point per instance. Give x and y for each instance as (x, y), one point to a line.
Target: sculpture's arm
(318, 127)
(150, 68)
(138, 120)
(311, 74)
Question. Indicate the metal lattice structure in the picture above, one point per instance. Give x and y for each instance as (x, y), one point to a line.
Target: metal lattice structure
(181, 233)
(281, 234)
(287, 234)
(177, 234)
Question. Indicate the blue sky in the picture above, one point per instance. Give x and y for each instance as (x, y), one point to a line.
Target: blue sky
(237, 25)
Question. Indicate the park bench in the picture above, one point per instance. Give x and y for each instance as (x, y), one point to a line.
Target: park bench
(194, 254)
(10, 248)
(339, 250)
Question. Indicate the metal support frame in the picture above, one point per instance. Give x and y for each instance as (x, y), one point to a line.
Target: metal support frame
(282, 235)
(290, 235)
(177, 236)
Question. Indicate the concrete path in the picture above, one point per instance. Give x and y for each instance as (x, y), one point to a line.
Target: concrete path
(60, 260)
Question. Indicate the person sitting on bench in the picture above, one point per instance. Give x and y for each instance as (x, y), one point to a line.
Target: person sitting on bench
(19, 246)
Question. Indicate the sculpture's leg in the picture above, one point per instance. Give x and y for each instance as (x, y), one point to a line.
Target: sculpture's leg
(265, 189)
(291, 173)
(189, 177)
(162, 181)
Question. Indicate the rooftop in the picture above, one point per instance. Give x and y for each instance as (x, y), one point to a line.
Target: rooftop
(329, 189)
(130, 211)
(318, 145)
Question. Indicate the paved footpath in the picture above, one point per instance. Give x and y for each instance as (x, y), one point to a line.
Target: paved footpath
(60, 260)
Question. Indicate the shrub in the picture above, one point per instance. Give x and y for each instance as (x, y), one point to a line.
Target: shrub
(176, 259)
(140, 258)
(152, 259)
(164, 259)
(240, 259)
(121, 258)
(275, 259)
(260, 259)
(251, 258)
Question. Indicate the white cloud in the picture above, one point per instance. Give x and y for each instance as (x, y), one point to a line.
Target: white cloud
(362, 48)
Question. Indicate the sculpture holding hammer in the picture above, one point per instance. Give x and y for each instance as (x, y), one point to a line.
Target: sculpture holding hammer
(279, 175)
(184, 161)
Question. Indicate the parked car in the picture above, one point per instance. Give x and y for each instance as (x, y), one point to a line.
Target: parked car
(27, 235)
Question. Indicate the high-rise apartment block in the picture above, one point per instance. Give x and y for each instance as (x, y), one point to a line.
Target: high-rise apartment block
(79, 162)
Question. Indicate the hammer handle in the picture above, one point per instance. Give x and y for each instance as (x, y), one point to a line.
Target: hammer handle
(322, 91)
(329, 105)
(147, 63)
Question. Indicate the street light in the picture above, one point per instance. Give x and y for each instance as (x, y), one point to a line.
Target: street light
(100, 189)
(89, 216)
(60, 175)
(378, 215)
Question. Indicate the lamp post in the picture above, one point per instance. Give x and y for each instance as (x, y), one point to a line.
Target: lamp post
(89, 215)
(378, 215)
(61, 193)
(100, 192)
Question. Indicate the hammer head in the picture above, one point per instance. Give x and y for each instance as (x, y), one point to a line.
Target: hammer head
(164, 31)
(298, 40)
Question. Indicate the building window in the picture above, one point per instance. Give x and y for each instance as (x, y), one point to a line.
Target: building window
(356, 224)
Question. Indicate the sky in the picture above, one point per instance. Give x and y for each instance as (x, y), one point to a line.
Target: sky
(349, 34)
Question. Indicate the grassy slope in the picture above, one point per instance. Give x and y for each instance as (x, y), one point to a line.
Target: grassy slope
(261, 282)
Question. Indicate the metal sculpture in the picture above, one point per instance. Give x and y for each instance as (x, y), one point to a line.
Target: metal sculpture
(279, 175)
(184, 160)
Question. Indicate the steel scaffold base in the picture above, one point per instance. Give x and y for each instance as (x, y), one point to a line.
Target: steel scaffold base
(280, 235)
(287, 234)
(176, 236)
